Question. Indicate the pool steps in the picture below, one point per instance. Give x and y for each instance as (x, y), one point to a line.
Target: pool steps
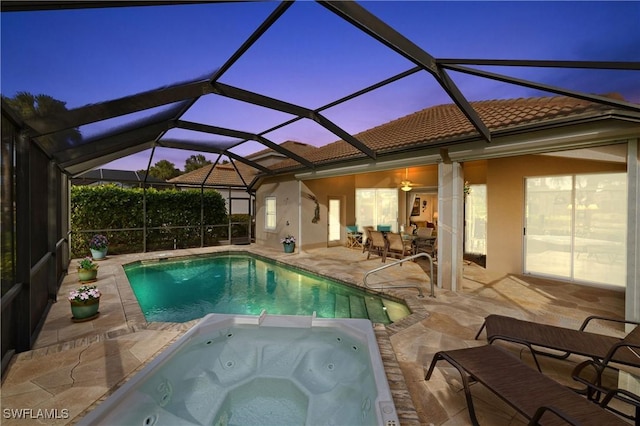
(368, 307)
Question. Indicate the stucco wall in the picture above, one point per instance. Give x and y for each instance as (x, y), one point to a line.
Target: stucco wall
(505, 201)
(292, 197)
(285, 189)
(342, 188)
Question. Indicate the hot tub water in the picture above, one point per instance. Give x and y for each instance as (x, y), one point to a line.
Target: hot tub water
(259, 370)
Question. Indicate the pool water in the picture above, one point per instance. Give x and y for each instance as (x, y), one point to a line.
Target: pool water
(180, 290)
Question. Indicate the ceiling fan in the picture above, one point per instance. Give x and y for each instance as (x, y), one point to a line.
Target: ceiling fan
(406, 184)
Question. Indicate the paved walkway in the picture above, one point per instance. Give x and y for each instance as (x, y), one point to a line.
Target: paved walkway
(74, 366)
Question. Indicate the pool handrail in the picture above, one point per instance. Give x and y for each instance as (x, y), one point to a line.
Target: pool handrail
(398, 262)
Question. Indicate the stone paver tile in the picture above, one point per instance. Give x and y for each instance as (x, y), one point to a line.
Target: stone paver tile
(148, 343)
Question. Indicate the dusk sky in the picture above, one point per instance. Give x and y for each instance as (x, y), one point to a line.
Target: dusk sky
(309, 57)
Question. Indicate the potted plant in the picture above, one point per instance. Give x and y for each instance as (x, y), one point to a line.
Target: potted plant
(98, 246)
(84, 302)
(87, 270)
(289, 243)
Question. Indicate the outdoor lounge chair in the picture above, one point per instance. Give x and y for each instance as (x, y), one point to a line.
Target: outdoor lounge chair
(566, 341)
(601, 389)
(536, 396)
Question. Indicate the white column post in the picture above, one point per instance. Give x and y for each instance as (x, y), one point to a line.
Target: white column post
(450, 225)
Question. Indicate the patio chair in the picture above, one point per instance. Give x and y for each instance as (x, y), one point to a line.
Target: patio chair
(398, 246)
(367, 237)
(534, 395)
(425, 242)
(378, 245)
(354, 237)
(424, 232)
(564, 341)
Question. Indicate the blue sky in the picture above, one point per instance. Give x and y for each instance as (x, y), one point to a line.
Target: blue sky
(309, 57)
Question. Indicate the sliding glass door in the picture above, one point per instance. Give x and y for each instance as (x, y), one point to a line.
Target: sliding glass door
(575, 227)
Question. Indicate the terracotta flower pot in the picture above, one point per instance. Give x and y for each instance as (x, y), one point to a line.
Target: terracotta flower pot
(87, 275)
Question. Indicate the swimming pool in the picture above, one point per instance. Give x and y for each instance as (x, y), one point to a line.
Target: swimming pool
(259, 370)
(183, 289)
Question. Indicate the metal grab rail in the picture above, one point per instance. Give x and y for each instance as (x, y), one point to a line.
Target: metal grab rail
(415, 256)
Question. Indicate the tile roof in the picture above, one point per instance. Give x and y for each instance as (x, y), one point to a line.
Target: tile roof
(226, 175)
(222, 175)
(296, 147)
(446, 123)
(433, 125)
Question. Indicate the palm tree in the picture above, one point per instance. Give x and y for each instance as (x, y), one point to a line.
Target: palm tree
(29, 106)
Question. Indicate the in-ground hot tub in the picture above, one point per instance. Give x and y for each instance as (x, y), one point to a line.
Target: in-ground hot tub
(259, 370)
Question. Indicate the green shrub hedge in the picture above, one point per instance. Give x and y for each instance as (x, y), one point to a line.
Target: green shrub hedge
(173, 218)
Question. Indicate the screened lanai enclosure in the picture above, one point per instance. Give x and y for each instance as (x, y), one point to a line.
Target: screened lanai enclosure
(230, 112)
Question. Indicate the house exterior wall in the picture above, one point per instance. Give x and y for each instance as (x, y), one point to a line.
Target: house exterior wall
(343, 188)
(505, 201)
(285, 189)
(314, 235)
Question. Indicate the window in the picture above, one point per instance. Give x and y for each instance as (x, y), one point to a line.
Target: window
(270, 214)
(377, 207)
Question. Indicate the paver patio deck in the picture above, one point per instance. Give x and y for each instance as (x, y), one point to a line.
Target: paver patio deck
(74, 366)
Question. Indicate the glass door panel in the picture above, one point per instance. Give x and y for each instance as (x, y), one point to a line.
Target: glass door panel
(600, 228)
(387, 208)
(548, 226)
(377, 207)
(365, 207)
(334, 221)
(475, 218)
